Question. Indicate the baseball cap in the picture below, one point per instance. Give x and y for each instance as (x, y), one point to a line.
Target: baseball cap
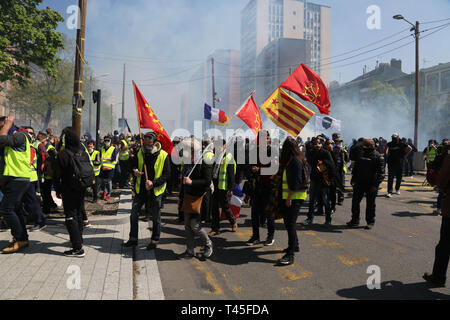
(395, 135)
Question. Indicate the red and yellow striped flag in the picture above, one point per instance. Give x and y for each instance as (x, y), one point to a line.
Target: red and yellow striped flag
(286, 112)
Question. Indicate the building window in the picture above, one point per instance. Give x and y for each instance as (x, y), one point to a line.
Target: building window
(293, 27)
(445, 80)
(294, 13)
(433, 83)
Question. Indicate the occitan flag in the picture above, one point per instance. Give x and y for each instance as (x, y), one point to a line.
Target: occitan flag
(286, 112)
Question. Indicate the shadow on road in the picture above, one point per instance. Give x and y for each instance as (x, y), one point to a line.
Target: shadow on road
(394, 290)
(403, 214)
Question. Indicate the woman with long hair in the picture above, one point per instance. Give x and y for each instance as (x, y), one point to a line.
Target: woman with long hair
(294, 193)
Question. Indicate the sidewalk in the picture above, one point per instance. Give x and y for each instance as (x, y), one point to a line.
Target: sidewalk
(42, 272)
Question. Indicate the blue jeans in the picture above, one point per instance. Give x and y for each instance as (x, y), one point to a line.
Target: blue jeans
(13, 192)
(106, 177)
(154, 204)
(316, 190)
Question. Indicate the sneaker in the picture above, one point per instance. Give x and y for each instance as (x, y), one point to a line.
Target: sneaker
(297, 249)
(152, 245)
(104, 194)
(307, 222)
(186, 255)
(286, 260)
(207, 251)
(369, 226)
(214, 233)
(437, 212)
(87, 224)
(253, 241)
(340, 203)
(327, 224)
(15, 246)
(389, 195)
(107, 198)
(130, 243)
(37, 228)
(352, 224)
(397, 192)
(269, 241)
(430, 279)
(234, 227)
(75, 253)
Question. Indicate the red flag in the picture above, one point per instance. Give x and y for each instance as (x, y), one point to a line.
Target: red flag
(148, 120)
(308, 86)
(249, 113)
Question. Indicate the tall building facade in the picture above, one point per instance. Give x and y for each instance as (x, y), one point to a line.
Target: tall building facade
(263, 21)
(226, 83)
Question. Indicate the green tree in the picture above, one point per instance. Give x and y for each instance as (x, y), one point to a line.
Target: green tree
(28, 37)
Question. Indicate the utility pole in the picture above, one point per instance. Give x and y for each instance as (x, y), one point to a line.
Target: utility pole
(414, 28)
(77, 102)
(416, 112)
(90, 104)
(97, 96)
(213, 85)
(123, 99)
(112, 119)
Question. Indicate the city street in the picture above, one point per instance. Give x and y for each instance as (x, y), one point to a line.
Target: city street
(332, 263)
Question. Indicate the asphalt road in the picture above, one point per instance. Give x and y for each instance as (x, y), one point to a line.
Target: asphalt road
(332, 263)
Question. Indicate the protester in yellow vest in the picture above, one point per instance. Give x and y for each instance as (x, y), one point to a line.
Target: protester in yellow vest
(97, 163)
(151, 181)
(46, 187)
(224, 179)
(30, 200)
(14, 180)
(108, 157)
(294, 193)
(124, 158)
(430, 152)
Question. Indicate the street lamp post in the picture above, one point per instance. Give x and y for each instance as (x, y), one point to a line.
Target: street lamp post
(415, 28)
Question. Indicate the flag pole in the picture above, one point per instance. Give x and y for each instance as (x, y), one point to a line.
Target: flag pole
(139, 126)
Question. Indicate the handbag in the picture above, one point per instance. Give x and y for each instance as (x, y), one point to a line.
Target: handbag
(274, 206)
(192, 204)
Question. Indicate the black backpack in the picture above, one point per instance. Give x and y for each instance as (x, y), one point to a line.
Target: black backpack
(83, 175)
(305, 176)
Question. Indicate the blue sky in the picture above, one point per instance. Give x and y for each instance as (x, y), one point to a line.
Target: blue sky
(175, 36)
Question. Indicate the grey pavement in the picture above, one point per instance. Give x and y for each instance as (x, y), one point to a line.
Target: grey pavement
(333, 263)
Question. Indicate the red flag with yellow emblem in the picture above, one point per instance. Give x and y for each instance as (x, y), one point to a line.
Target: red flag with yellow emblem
(249, 113)
(308, 86)
(148, 120)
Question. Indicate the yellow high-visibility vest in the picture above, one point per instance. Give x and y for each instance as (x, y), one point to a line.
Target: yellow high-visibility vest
(159, 166)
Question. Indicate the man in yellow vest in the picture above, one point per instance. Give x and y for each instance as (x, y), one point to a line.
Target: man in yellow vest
(224, 179)
(430, 152)
(47, 175)
(97, 162)
(14, 181)
(30, 199)
(124, 157)
(151, 181)
(108, 156)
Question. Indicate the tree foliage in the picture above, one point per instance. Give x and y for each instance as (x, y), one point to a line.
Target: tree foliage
(28, 37)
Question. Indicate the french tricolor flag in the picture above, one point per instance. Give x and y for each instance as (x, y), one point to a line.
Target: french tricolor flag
(216, 116)
(236, 202)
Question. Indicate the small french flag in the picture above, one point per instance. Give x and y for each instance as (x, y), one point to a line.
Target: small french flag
(236, 201)
(215, 115)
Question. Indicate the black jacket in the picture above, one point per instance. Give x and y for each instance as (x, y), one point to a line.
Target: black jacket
(201, 180)
(369, 169)
(320, 155)
(63, 170)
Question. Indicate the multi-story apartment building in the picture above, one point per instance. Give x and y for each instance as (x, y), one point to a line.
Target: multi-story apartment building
(263, 21)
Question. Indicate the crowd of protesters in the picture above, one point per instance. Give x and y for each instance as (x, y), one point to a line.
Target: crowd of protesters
(33, 165)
